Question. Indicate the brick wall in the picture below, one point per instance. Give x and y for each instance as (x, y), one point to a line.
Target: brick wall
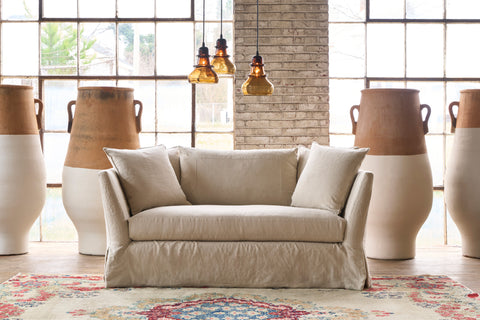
(294, 45)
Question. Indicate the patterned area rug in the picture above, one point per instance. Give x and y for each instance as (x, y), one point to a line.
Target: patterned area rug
(29, 296)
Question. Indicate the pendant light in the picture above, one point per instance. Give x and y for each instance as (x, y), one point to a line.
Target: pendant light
(220, 62)
(203, 72)
(257, 83)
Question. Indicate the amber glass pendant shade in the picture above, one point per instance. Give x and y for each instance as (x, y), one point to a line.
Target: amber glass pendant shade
(221, 62)
(203, 72)
(257, 83)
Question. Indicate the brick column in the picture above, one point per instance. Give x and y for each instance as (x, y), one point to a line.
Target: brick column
(294, 45)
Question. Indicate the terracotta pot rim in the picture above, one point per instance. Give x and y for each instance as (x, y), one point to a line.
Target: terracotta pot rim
(367, 90)
(105, 88)
(470, 91)
(15, 86)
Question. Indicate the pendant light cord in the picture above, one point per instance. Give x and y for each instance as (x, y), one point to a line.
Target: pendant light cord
(257, 29)
(221, 19)
(203, 39)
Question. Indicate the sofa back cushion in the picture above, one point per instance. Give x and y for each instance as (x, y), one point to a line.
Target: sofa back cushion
(238, 177)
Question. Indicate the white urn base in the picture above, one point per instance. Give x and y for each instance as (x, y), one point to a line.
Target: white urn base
(82, 201)
(462, 185)
(22, 190)
(401, 200)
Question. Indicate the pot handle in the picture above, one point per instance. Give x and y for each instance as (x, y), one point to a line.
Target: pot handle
(352, 117)
(70, 115)
(425, 122)
(452, 115)
(138, 117)
(39, 113)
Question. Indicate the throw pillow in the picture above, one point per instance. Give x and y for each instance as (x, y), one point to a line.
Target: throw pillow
(147, 178)
(238, 177)
(327, 177)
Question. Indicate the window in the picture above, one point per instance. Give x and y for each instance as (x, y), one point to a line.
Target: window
(149, 45)
(413, 44)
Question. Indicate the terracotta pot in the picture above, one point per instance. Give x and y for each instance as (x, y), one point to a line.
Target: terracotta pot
(390, 124)
(22, 168)
(462, 179)
(104, 117)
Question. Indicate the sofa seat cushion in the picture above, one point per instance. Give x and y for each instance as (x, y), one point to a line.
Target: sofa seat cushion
(236, 223)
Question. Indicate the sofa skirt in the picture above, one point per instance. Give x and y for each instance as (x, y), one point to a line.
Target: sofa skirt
(236, 264)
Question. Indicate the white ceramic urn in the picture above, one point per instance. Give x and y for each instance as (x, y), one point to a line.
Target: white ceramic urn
(22, 167)
(390, 124)
(104, 117)
(462, 179)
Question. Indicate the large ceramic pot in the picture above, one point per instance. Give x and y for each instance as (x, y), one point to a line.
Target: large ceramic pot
(104, 117)
(22, 168)
(462, 180)
(390, 124)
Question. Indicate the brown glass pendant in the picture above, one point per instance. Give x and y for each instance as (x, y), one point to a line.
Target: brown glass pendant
(257, 83)
(203, 72)
(221, 61)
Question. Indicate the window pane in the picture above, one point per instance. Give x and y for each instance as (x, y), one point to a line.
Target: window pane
(212, 10)
(97, 49)
(58, 44)
(431, 233)
(346, 10)
(56, 225)
(385, 50)
(387, 84)
(217, 141)
(137, 9)
(425, 9)
(345, 141)
(55, 147)
(435, 150)
(136, 49)
(392, 9)
(57, 94)
(170, 140)
(173, 9)
(59, 8)
(19, 57)
(19, 10)
(214, 106)
(177, 37)
(97, 9)
(463, 9)
(462, 53)
(147, 140)
(432, 93)
(174, 106)
(343, 95)
(212, 33)
(425, 50)
(97, 83)
(346, 53)
(145, 92)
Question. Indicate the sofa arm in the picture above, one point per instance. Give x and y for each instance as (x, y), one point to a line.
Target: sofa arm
(115, 208)
(356, 209)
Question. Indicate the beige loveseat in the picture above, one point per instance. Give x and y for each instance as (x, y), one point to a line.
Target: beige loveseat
(244, 224)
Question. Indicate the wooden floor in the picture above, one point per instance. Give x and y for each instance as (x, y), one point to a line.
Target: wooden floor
(60, 257)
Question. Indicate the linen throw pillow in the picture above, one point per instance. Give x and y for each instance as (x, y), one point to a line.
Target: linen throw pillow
(238, 177)
(147, 177)
(327, 177)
